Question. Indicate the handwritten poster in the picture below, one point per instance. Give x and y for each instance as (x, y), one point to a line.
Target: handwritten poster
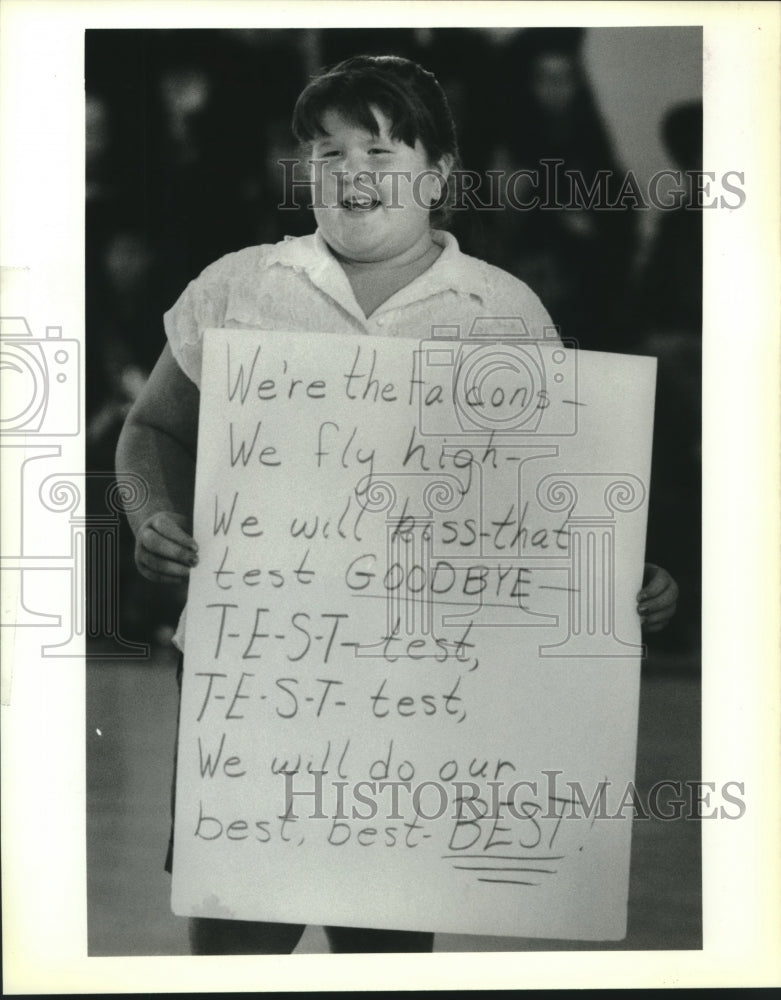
(412, 651)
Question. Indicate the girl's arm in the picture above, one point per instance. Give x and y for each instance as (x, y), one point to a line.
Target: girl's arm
(158, 443)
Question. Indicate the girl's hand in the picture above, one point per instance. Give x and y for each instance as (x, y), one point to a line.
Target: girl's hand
(657, 600)
(165, 550)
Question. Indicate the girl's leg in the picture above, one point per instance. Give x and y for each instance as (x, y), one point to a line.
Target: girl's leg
(352, 940)
(209, 936)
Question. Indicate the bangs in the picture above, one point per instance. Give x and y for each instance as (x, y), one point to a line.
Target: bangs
(353, 95)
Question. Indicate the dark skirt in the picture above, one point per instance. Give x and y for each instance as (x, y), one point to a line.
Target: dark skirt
(169, 857)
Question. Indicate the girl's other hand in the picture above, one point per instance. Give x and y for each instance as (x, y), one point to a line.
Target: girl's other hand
(165, 549)
(657, 601)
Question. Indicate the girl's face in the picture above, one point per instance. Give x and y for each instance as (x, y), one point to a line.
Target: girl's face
(372, 193)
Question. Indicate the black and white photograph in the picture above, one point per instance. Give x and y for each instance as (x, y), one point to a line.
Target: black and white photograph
(372, 519)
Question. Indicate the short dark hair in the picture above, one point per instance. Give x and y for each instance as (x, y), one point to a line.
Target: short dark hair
(408, 95)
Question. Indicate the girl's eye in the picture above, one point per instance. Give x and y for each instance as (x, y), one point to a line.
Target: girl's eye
(377, 151)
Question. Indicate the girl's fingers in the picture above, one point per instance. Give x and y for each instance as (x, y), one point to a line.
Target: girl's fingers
(656, 581)
(662, 590)
(158, 546)
(666, 599)
(164, 550)
(169, 528)
(663, 615)
(167, 540)
(657, 620)
(171, 570)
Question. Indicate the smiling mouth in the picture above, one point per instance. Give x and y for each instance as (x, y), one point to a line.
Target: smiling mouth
(360, 204)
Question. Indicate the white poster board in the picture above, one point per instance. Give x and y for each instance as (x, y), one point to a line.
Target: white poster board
(412, 650)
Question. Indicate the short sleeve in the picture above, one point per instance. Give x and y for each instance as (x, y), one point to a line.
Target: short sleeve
(540, 323)
(520, 300)
(201, 305)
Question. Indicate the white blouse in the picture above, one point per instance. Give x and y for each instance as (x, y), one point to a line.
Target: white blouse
(298, 284)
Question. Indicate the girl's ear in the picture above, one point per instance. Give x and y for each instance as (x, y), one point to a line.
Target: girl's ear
(445, 165)
(436, 179)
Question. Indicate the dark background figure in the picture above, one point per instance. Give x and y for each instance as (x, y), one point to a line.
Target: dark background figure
(669, 302)
(578, 259)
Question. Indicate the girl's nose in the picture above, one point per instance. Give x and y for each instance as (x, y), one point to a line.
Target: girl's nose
(354, 164)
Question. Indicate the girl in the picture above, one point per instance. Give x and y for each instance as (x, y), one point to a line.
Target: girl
(382, 141)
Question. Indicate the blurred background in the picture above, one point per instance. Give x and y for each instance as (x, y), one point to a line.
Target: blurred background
(184, 133)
